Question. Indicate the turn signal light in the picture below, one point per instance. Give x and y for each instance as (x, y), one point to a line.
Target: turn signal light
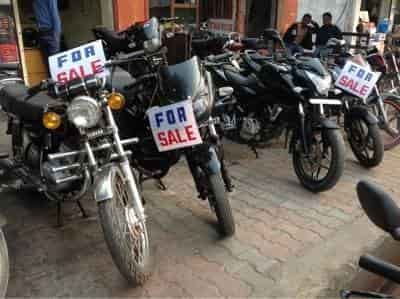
(116, 101)
(51, 120)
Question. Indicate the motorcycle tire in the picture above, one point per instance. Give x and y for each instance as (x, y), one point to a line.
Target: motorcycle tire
(357, 134)
(4, 265)
(124, 247)
(390, 139)
(334, 140)
(219, 201)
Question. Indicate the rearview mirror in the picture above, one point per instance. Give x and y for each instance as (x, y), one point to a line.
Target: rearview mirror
(380, 208)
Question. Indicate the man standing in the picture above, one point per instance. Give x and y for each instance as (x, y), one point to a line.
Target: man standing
(327, 31)
(49, 25)
(299, 35)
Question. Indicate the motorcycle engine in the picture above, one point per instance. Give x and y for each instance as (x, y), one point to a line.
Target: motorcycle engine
(251, 127)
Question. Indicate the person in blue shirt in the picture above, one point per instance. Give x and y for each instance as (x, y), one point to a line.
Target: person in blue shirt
(49, 25)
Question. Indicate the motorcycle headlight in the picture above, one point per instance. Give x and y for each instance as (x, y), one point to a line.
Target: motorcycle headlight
(152, 45)
(84, 112)
(322, 84)
(201, 104)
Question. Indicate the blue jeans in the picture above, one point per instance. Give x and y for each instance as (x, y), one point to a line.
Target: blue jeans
(49, 42)
(294, 49)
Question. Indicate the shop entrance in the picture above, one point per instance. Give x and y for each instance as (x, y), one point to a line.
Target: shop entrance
(261, 14)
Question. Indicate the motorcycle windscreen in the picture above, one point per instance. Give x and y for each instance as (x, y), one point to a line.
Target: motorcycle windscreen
(182, 81)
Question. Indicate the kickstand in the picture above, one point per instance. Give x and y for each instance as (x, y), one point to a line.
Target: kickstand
(254, 150)
(161, 185)
(83, 212)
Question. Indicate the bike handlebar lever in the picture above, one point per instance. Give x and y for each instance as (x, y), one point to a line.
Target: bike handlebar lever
(380, 267)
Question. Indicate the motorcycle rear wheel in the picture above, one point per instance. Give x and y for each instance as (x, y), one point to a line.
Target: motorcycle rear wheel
(219, 201)
(4, 265)
(128, 242)
(308, 168)
(366, 143)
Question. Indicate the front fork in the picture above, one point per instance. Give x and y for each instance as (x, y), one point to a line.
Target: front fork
(126, 168)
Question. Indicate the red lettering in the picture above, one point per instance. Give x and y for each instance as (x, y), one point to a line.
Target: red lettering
(178, 135)
(343, 80)
(73, 74)
(163, 140)
(364, 90)
(350, 83)
(82, 71)
(96, 66)
(354, 87)
(190, 133)
(171, 138)
(62, 77)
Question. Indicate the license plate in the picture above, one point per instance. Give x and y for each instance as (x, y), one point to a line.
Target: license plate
(174, 126)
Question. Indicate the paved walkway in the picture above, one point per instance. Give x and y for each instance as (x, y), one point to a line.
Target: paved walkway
(289, 242)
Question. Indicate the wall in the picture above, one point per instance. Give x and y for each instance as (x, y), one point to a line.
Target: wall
(345, 12)
(287, 14)
(127, 12)
(107, 13)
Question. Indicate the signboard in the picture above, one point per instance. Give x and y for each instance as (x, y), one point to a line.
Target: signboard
(357, 80)
(174, 126)
(82, 61)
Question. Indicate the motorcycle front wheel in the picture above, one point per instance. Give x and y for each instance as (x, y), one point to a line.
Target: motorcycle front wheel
(219, 202)
(126, 239)
(4, 265)
(366, 142)
(322, 167)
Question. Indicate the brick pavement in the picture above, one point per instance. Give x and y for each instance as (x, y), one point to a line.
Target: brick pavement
(278, 224)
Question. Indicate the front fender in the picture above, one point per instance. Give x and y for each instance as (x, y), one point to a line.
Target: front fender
(325, 123)
(103, 183)
(359, 112)
(213, 165)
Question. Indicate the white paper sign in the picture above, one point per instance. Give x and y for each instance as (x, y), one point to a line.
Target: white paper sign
(357, 80)
(174, 126)
(82, 61)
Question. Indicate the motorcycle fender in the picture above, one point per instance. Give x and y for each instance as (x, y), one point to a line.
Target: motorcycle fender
(360, 113)
(213, 165)
(328, 124)
(103, 187)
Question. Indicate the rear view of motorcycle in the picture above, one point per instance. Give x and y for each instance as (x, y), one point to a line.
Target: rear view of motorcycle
(67, 145)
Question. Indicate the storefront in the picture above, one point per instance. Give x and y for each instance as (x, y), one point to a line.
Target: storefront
(17, 27)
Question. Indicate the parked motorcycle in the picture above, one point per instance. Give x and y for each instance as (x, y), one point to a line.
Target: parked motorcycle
(273, 97)
(68, 144)
(385, 214)
(4, 263)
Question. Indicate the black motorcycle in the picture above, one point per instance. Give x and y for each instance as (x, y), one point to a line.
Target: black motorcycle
(276, 97)
(385, 214)
(65, 144)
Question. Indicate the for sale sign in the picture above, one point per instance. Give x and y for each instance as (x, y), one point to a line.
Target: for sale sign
(174, 126)
(82, 61)
(357, 80)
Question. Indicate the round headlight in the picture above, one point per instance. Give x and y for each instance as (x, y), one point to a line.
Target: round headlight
(84, 112)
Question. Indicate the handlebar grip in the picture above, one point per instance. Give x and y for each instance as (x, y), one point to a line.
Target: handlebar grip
(214, 58)
(380, 267)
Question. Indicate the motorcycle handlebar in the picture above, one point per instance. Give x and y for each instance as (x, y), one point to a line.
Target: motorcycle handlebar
(215, 58)
(42, 86)
(380, 267)
(125, 58)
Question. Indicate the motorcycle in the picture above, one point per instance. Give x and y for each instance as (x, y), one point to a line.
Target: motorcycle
(65, 144)
(385, 214)
(4, 263)
(274, 97)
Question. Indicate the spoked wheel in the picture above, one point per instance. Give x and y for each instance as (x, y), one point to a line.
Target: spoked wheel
(219, 202)
(126, 238)
(366, 142)
(391, 131)
(321, 169)
(4, 265)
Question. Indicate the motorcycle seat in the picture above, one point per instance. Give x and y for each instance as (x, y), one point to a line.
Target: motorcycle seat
(239, 79)
(14, 99)
(118, 42)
